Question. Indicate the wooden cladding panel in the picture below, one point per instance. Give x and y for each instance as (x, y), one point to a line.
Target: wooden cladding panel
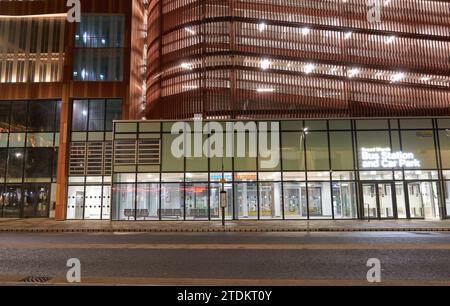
(184, 35)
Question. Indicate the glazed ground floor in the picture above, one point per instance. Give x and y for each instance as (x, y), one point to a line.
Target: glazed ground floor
(261, 196)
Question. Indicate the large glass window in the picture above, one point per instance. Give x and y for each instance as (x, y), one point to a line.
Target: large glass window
(215, 208)
(113, 112)
(444, 142)
(5, 108)
(341, 149)
(317, 157)
(172, 201)
(421, 144)
(295, 204)
(75, 203)
(41, 116)
(18, 116)
(147, 198)
(292, 151)
(197, 201)
(80, 112)
(124, 202)
(93, 203)
(99, 42)
(246, 195)
(319, 200)
(15, 165)
(169, 161)
(95, 115)
(371, 140)
(38, 164)
(3, 158)
(344, 200)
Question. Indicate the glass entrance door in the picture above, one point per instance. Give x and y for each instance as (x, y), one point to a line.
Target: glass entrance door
(36, 201)
(423, 199)
(378, 200)
(12, 201)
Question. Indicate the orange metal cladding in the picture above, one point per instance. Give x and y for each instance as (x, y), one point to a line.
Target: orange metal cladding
(291, 58)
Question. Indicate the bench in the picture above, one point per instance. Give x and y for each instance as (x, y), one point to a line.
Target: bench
(139, 213)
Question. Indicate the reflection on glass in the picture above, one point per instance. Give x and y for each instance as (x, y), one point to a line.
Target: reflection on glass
(124, 202)
(197, 201)
(447, 197)
(246, 200)
(370, 200)
(270, 201)
(216, 211)
(106, 203)
(423, 200)
(93, 203)
(12, 202)
(344, 202)
(36, 201)
(295, 206)
(75, 203)
(147, 199)
(172, 201)
(319, 200)
(386, 200)
(401, 204)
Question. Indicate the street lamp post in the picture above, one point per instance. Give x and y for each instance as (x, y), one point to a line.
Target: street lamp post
(223, 195)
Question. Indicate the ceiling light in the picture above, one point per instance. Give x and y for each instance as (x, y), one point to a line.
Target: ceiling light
(309, 68)
(305, 31)
(262, 27)
(398, 77)
(265, 64)
(353, 72)
(263, 90)
(190, 30)
(389, 39)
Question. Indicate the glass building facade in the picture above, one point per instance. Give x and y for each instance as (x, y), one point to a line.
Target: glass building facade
(29, 139)
(322, 169)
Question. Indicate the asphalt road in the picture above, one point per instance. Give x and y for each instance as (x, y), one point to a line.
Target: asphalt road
(228, 258)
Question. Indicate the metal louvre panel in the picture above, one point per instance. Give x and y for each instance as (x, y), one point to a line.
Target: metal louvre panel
(125, 152)
(107, 166)
(94, 159)
(149, 152)
(77, 159)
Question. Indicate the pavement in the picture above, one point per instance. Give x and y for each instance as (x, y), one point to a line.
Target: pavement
(226, 259)
(52, 226)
